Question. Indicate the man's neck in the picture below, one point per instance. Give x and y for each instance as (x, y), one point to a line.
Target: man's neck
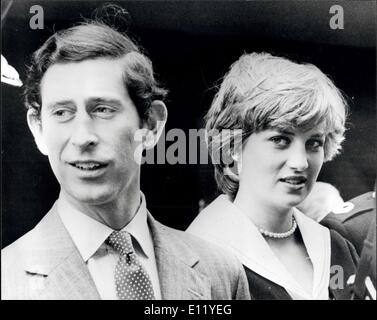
(116, 214)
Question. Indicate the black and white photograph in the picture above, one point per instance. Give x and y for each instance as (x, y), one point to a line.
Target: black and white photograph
(188, 150)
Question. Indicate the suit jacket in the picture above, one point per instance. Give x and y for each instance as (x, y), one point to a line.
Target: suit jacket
(358, 225)
(365, 280)
(354, 224)
(45, 264)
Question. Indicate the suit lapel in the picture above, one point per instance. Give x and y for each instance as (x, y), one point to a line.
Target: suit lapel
(176, 263)
(56, 268)
(57, 271)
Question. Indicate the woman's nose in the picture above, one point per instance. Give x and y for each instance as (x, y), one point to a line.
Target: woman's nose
(298, 157)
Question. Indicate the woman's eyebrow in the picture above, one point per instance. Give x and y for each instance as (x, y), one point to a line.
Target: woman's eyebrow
(318, 135)
(285, 131)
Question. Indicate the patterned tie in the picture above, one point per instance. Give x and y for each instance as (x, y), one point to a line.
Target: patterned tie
(131, 280)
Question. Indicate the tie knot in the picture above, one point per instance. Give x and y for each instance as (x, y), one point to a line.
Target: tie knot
(121, 241)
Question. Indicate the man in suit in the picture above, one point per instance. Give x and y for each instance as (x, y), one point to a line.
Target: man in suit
(353, 220)
(322, 200)
(93, 106)
(364, 286)
(357, 223)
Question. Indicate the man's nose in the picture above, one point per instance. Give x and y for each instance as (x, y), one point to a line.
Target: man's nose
(84, 135)
(298, 157)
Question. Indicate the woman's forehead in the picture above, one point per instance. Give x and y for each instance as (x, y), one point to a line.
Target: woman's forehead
(298, 123)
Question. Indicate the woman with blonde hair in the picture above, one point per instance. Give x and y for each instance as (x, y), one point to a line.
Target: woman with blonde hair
(271, 126)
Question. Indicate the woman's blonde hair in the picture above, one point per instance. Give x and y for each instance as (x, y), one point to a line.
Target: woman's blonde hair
(262, 91)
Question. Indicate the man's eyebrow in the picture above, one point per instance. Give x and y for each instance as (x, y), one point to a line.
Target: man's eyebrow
(55, 104)
(98, 100)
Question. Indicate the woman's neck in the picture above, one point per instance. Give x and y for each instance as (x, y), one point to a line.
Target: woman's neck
(263, 214)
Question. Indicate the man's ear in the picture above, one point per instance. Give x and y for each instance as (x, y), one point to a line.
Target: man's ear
(35, 126)
(155, 123)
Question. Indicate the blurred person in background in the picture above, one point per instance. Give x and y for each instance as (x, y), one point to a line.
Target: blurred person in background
(323, 199)
(358, 225)
(353, 219)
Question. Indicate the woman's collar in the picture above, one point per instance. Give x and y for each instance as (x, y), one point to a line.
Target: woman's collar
(224, 224)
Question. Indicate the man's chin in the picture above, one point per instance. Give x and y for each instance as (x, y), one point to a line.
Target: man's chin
(92, 197)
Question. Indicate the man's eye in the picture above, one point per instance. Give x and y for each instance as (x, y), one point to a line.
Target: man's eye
(280, 141)
(63, 114)
(104, 111)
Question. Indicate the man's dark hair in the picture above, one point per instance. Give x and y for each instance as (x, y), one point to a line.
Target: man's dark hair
(91, 40)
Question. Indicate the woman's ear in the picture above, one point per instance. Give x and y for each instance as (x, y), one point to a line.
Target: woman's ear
(234, 169)
(35, 126)
(155, 123)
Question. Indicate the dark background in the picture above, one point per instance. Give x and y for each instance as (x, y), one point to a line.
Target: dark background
(192, 45)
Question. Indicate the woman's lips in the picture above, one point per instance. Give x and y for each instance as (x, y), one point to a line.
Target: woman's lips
(294, 182)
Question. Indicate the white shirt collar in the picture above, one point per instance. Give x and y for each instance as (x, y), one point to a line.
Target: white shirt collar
(89, 234)
(224, 223)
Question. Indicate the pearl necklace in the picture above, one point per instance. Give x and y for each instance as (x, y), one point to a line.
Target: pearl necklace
(278, 235)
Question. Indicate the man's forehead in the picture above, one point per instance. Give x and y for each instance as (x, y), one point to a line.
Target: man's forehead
(94, 77)
(90, 66)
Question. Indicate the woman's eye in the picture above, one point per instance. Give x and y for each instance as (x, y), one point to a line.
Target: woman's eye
(315, 144)
(280, 141)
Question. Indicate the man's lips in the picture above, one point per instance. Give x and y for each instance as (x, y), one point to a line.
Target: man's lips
(294, 180)
(88, 165)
